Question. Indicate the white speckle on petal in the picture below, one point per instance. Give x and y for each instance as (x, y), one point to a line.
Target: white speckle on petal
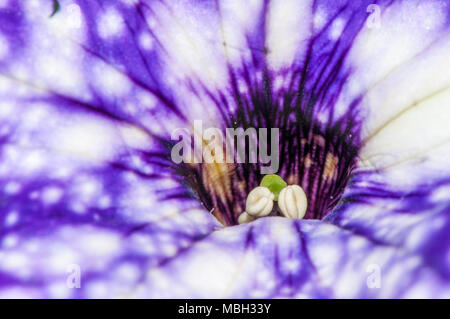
(291, 266)
(15, 262)
(78, 207)
(85, 138)
(441, 194)
(127, 272)
(4, 3)
(33, 161)
(110, 24)
(130, 2)
(34, 195)
(12, 218)
(147, 100)
(51, 195)
(101, 244)
(12, 188)
(336, 29)
(10, 241)
(110, 80)
(87, 188)
(97, 289)
(146, 41)
(4, 47)
(59, 290)
(6, 108)
(104, 202)
(320, 19)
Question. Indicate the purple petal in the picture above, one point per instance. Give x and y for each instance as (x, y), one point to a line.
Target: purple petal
(88, 99)
(280, 258)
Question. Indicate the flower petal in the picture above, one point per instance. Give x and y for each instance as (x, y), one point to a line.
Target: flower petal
(280, 258)
(88, 92)
(406, 94)
(399, 194)
(78, 184)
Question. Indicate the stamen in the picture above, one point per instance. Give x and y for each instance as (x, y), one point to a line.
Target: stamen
(245, 218)
(292, 202)
(259, 202)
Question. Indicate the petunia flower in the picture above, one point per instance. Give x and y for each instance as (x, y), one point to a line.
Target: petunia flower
(92, 205)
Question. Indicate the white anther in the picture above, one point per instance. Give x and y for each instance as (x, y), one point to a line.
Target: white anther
(292, 202)
(259, 202)
(245, 218)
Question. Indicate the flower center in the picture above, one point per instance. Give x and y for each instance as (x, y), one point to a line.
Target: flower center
(319, 161)
(316, 155)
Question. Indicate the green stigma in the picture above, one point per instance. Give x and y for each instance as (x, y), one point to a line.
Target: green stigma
(274, 183)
